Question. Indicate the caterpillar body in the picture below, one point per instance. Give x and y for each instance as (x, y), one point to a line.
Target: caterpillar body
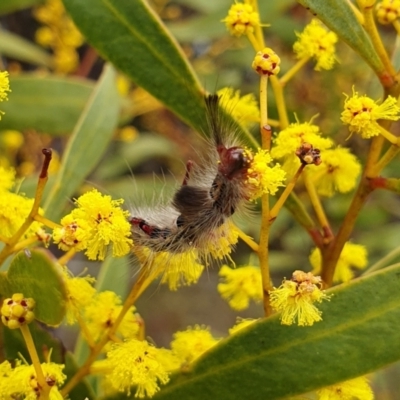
(198, 217)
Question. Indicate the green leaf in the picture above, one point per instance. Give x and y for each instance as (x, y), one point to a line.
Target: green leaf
(8, 6)
(132, 154)
(14, 46)
(14, 344)
(338, 16)
(359, 334)
(133, 38)
(90, 139)
(47, 104)
(35, 274)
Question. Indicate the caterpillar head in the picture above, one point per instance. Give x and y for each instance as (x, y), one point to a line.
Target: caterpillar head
(233, 161)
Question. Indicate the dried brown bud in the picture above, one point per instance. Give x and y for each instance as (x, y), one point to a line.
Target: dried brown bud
(308, 155)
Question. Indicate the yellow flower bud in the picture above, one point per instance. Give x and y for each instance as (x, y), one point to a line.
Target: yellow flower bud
(387, 11)
(266, 62)
(17, 311)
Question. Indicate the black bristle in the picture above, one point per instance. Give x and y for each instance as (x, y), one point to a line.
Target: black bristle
(214, 118)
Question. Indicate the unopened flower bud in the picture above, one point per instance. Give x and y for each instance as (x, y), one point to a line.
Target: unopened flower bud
(387, 11)
(266, 62)
(17, 311)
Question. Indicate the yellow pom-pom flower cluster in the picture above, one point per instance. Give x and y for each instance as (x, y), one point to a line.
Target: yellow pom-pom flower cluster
(361, 113)
(266, 62)
(192, 343)
(261, 178)
(295, 299)
(337, 173)
(4, 87)
(59, 34)
(96, 223)
(244, 109)
(316, 42)
(80, 293)
(241, 19)
(7, 178)
(357, 388)
(291, 138)
(352, 255)
(17, 311)
(137, 363)
(21, 381)
(240, 286)
(175, 269)
(102, 312)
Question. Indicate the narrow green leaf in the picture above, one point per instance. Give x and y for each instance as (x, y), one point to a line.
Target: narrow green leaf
(359, 334)
(146, 146)
(90, 138)
(15, 46)
(35, 274)
(338, 16)
(8, 6)
(132, 37)
(48, 104)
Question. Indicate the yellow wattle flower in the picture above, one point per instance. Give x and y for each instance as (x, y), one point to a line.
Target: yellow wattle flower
(80, 293)
(357, 389)
(101, 313)
(316, 42)
(362, 113)
(261, 178)
(4, 88)
(96, 223)
(291, 138)
(192, 343)
(21, 381)
(295, 299)
(352, 256)
(240, 285)
(137, 363)
(243, 108)
(338, 172)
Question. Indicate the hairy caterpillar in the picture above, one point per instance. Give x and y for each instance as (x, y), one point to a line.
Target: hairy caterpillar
(198, 217)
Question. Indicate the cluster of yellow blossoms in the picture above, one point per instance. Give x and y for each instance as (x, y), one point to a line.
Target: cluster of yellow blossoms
(4, 87)
(59, 34)
(21, 380)
(15, 208)
(316, 42)
(295, 298)
(96, 222)
(361, 114)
